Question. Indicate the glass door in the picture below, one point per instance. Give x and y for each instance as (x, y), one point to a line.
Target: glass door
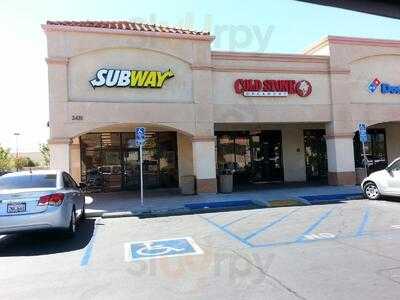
(315, 155)
(131, 166)
(266, 156)
(271, 142)
(375, 149)
(151, 166)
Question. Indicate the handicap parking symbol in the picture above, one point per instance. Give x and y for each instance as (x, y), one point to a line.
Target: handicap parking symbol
(161, 248)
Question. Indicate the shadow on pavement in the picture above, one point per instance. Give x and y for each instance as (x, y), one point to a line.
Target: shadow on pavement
(390, 199)
(46, 242)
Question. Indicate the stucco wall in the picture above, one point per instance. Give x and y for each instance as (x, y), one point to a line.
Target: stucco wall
(201, 96)
(232, 107)
(393, 141)
(74, 57)
(366, 59)
(83, 68)
(60, 157)
(75, 162)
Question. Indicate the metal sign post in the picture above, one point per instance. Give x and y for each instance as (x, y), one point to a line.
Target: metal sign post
(362, 130)
(140, 136)
(141, 174)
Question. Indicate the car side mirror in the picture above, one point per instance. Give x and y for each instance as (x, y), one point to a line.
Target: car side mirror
(389, 170)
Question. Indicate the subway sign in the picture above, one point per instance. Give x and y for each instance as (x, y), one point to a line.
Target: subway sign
(130, 78)
(385, 88)
(272, 88)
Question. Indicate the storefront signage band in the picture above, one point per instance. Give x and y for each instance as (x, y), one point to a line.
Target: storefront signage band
(130, 78)
(386, 88)
(272, 88)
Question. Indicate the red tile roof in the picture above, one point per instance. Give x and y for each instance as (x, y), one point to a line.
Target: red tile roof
(124, 25)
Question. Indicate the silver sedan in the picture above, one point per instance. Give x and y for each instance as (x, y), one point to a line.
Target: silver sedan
(39, 200)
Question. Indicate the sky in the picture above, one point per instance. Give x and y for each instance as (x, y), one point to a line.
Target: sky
(283, 26)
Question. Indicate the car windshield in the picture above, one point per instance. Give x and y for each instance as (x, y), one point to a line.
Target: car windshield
(28, 181)
(395, 166)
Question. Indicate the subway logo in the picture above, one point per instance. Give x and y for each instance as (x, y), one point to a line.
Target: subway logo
(130, 78)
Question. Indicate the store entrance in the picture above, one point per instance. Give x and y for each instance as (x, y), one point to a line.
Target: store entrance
(316, 157)
(151, 164)
(267, 156)
(132, 169)
(252, 157)
(111, 161)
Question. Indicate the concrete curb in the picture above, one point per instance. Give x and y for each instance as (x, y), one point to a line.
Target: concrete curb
(147, 212)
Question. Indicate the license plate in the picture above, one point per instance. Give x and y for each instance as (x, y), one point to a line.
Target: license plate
(13, 208)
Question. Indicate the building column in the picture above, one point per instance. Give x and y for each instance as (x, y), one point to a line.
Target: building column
(60, 154)
(204, 164)
(341, 167)
(185, 156)
(75, 160)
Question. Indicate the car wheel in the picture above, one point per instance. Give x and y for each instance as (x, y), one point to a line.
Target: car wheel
(70, 232)
(371, 191)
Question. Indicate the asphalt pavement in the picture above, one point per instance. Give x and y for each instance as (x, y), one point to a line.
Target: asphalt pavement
(343, 250)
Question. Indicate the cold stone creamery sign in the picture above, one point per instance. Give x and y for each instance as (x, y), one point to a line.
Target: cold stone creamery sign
(272, 88)
(130, 78)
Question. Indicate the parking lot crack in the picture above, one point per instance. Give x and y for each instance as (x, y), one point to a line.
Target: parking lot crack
(367, 251)
(273, 278)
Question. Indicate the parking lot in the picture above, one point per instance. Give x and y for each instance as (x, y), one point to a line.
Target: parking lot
(341, 250)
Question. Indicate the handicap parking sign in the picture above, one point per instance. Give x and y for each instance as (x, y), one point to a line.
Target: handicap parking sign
(161, 248)
(140, 135)
(362, 129)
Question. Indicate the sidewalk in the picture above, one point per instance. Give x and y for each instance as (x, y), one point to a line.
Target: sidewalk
(128, 203)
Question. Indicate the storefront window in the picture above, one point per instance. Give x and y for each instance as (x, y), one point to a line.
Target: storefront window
(250, 157)
(315, 155)
(226, 153)
(375, 150)
(110, 161)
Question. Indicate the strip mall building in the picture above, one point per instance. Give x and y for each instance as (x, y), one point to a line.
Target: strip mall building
(265, 117)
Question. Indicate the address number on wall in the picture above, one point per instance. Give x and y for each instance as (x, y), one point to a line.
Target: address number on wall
(77, 118)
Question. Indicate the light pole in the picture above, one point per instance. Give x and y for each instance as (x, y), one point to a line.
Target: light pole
(17, 134)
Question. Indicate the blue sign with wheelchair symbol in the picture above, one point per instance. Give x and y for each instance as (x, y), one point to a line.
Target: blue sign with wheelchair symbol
(362, 129)
(161, 248)
(140, 135)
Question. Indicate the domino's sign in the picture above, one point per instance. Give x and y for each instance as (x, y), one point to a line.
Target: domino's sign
(385, 88)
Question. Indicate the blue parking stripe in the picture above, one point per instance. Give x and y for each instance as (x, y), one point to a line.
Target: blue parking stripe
(314, 225)
(237, 220)
(89, 249)
(363, 223)
(227, 231)
(253, 234)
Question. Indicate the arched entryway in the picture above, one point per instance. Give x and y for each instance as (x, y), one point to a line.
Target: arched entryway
(382, 147)
(107, 158)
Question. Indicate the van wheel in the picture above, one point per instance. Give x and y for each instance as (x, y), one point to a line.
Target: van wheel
(371, 191)
(70, 232)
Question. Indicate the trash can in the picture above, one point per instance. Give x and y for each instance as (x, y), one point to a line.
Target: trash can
(188, 185)
(226, 183)
(361, 173)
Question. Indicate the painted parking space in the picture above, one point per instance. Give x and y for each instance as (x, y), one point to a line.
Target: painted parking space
(309, 224)
(88, 251)
(289, 226)
(161, 249)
